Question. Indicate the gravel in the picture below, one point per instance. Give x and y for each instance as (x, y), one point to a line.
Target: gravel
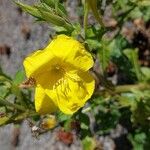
(12, 24)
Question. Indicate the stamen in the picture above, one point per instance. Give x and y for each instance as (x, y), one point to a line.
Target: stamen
(73, 78)
(62, 85)
(57, 68)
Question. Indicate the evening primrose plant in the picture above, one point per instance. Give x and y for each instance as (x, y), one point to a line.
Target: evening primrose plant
(87, 80)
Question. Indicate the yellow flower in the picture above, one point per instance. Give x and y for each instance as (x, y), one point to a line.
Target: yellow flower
(61, 74)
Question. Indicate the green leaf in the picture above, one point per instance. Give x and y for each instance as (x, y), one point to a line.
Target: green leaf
(85, 122)
(124, 66)
(90, 32)
(132, 55)
(54, 19)
(4, 120)
(146, 73)
(136, 13)
(138, 140)
(141, 115)
(67, 124)
(104, 55)
(88, 143)
(13, 105)
(43, 12)
(127, 100)
(146, 13)
(77, 30)
(93, 5)
(144, 3)
(60, 8)
(32, 10)
(117, 45)
(4, 91)
(5, 85)
(19, 77)
(93, 44)
(63, 117)
(51, 18)
(4, 78)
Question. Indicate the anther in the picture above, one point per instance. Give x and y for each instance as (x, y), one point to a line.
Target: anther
(57, 68)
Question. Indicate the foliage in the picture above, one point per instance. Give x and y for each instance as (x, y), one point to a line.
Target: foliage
(127, 102)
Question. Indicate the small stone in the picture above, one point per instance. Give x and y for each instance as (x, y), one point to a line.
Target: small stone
(5, 50)
(26, 31)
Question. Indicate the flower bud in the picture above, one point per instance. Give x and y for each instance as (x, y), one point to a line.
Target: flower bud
(49, 122)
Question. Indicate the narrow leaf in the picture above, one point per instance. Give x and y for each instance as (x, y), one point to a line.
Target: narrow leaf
(4, 120)
(104, 55)
(133, 57)
(97, 15)
(60, 8)
(30, 9)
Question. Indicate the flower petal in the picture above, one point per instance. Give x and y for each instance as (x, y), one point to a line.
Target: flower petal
(72, 93)
(71, 51)
(38, 62)
(43, 104)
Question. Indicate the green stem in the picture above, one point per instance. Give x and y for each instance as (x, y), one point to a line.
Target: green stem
(128, 88)
(123, 88)
(4, 78)
(86, 10)
(7, 103)
(27, 114)
(17, 119)
(93, 5)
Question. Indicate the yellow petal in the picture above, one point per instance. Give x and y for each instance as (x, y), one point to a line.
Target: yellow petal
(48, 79)
(72, 93)
(38, 62)
(43, 104)
(63, 50)
(71, 51)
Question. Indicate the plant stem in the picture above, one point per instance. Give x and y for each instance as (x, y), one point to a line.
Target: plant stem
(128, 88)
(7, 103)
(93, 5)
(123, 88)
(25, 115)
(86, 10)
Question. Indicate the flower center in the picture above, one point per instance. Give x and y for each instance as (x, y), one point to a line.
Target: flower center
(62, 85)
(58, 69)
(59, 72)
